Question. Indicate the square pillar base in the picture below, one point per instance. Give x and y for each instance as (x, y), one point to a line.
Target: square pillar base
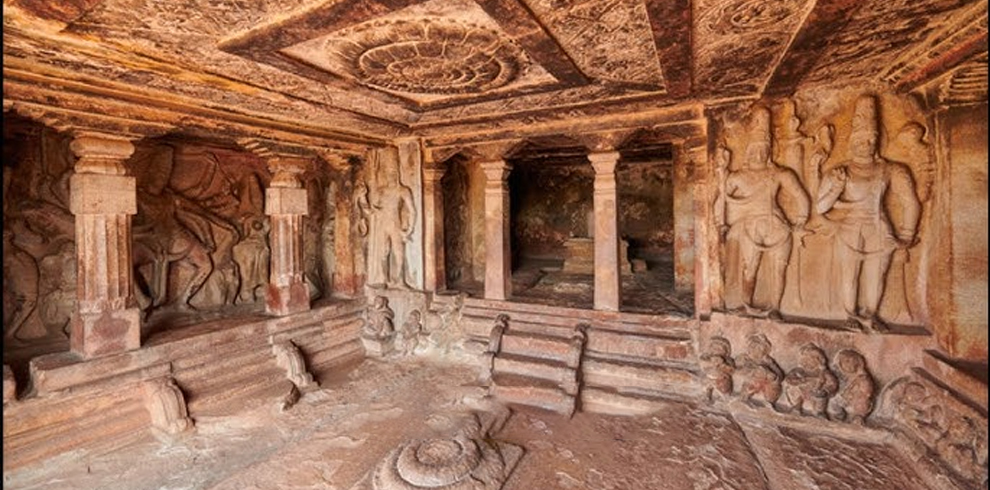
(104, 333)
(286, 300)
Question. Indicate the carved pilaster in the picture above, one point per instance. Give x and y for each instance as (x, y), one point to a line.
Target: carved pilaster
(498, 254)
(103, 199)
(436, 275)
(608, 284)
(286, 204)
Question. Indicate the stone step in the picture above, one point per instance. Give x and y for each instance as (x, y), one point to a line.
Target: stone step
(562, 375)
(624, 321)
(540, 347)
(82, 423)
(532, 392)
(624, 375)
(614, 402)
(641, 346)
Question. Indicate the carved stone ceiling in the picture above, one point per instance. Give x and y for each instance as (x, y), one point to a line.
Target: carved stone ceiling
(372, 70)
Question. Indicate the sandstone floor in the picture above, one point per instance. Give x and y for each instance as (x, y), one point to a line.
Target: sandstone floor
(333, 437)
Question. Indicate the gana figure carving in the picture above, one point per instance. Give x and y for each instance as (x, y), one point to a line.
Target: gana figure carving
(808, 387)
(718, 367)
(854, 196)
(757, 228)
(854, 401)
(760, 375)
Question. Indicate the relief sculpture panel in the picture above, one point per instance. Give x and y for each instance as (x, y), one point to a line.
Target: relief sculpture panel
(821, 216)
(390, 207)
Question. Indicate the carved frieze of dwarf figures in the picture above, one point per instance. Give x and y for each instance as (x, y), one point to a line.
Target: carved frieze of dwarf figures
(759, 376)
(718, 367)
(290, 358)
(857, 390)
(167, 406)
(808, 387)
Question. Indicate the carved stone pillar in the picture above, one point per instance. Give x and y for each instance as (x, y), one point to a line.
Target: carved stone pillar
(436, 274)
(286, 204)
(608, 283)
(498, 254)
(103, 199)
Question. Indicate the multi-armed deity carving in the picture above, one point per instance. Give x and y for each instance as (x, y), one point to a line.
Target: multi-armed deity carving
(842, 392)
(813, 235)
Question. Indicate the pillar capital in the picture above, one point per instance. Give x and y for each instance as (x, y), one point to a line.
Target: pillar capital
(432, 174)
(101, 153)
(604, 162)
(496, 171)
(286, 170)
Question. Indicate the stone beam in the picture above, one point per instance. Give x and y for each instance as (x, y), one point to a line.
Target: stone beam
(518, 21)
(825, 19)
(670, 21)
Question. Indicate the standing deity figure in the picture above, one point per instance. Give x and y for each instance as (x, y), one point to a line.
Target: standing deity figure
(760, 374)
(854, 196)
(718, 366)
(854, 400)
(394, 217)
(756, 226)
(252, 257)
(808, 387)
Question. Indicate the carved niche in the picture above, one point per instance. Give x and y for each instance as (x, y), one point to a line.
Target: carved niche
(832, 231)
(196, 206)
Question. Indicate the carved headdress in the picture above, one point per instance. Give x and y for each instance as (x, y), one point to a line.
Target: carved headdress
(865, 115)
(760, 126)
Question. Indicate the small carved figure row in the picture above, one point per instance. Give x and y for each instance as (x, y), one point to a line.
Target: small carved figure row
(811, 388)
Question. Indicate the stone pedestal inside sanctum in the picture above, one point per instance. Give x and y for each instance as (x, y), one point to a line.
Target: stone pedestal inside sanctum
(579, 256)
